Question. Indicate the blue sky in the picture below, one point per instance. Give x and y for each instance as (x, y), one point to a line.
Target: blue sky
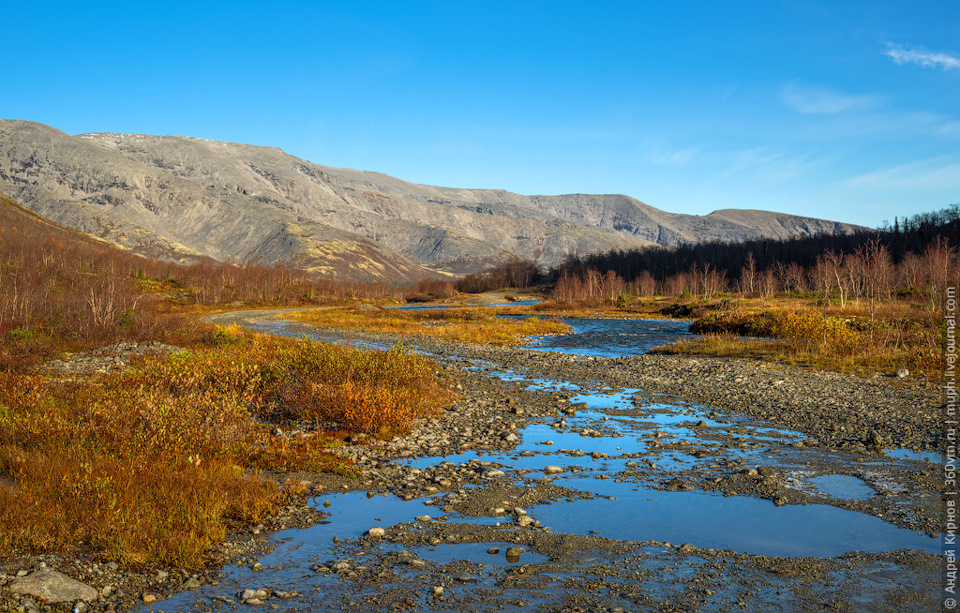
(841, 110)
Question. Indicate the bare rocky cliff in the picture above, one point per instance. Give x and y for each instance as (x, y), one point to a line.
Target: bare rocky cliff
(182, 197)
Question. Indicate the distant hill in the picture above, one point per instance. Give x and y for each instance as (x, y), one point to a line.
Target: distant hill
(185, 198)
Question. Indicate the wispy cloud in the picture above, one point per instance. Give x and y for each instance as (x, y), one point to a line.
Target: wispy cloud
(815, 100)
(951, 128)
(936, 173)
(674, 158)
(927, 59)
(766, 166)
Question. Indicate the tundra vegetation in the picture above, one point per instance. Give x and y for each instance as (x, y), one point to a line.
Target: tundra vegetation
(154, 463)
(867, 303)
(473, 325)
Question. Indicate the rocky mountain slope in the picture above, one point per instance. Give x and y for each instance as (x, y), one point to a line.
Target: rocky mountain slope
(184, 197)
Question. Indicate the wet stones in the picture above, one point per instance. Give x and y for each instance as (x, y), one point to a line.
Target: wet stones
(259, 596)
(490, 472)
(677, 485)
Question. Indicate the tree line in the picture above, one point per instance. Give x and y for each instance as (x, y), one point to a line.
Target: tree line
(917, 258)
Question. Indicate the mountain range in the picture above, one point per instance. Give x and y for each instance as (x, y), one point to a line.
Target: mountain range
(186, 198)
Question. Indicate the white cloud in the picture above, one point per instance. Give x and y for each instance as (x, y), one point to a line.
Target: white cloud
(762, 165)
(951, 128)
(814, 100)
(936, 173)
(674, 158)
(927, 59)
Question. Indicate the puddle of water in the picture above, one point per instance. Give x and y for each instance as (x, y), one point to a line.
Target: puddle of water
(280, 328)
(743, 524)
(477, 552)
(932, 457)
(612, 338)
(842, 486)
(619, 510)
(547, 385)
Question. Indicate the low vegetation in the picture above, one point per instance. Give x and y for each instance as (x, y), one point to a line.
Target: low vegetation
(153, 464)
(474, 325)
(867, 303)
(848, 339)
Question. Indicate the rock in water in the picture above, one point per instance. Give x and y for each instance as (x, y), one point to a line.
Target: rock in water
(52, 586)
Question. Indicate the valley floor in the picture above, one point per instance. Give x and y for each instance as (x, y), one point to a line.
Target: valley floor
(488, 507)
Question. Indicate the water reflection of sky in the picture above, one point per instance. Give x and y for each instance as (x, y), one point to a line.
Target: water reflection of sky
(628, 510)
(611, 338)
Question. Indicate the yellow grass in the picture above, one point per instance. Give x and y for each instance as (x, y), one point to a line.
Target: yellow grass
(857, 338)
(149, 465)
(474, 325)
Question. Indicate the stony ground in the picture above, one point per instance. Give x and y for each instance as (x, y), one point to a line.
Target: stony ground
(844, 421)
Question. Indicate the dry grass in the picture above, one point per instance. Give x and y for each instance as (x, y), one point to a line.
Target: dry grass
(474, 325)
(863, 339)
(149, 465)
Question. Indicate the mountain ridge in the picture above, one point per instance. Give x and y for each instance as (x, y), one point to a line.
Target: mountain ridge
(183, 197)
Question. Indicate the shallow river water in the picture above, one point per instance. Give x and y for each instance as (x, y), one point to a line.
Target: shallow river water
(616, 451)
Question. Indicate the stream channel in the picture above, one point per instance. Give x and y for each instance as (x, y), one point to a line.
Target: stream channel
(623, 514)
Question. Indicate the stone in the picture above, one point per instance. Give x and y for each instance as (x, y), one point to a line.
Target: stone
(191, 584)
(552, 470)
(376, 531)
(874, 439)
(54, 587)
(902, 373)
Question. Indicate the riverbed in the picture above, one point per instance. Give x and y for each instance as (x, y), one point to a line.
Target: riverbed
(581, 474)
